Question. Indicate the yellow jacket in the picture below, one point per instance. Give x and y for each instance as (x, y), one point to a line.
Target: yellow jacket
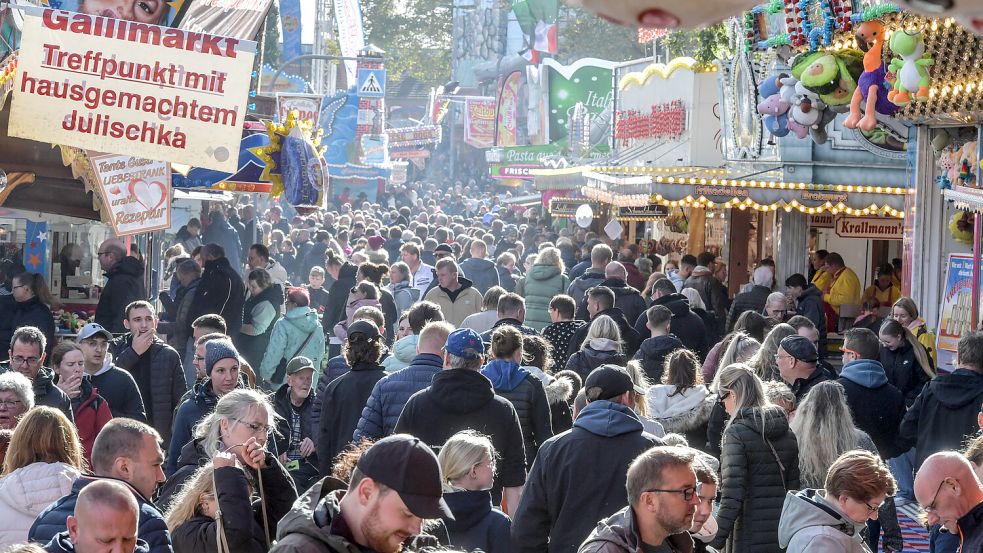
(925, 338)
(845, 289)
(884, 297)
(821, 279)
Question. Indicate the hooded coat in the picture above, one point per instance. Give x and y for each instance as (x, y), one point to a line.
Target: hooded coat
(653, 352)
(483, 273)
(752, 300)
(943, 415)
(540, 285)
(334, 312)
(458, 304)
(341, 409)
(91, 414)
(810, 306)
(626, 298)
(124, 285)
(903, 370)
(558, 394)
(391, 393)
(221, 292)
(151, 527)
(571, 487)
(811, 524)
(459, 399)
(34, 313)
(306, 528)
(527, 395)
(289, 334)
(578, 289)
(477, 524)
(685, 411)
(619, 534)
(630, 337)
(759, 463)
(161, 367)
(877, 406)
(404, 350)
(588, 359)
(25, 492)
(685, 324)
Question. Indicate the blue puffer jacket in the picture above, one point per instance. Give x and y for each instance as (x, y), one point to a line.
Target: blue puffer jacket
(189, 413)
(392, 392)
(152, 528)
(477, 525)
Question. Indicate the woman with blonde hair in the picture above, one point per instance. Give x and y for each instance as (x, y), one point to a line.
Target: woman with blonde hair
(601, 346)
(641, 385)
(544, 279)
(43, 460)
(218, 489)
(759, 462)
(825, 431)
(764, 362)
(240, 424)
(467, 463)
(906, 312)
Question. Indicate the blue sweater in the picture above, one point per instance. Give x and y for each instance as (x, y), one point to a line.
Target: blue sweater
(476, 524)
(392, 392)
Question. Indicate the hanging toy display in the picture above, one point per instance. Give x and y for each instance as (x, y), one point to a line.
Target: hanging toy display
(831, 75)
(948, 159)
(773, 107)
(294, 163)
(912, 79)
(872, 88)
(961, 226)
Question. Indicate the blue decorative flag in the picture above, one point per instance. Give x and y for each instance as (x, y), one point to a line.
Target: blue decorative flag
(36, 248)
(291, 22)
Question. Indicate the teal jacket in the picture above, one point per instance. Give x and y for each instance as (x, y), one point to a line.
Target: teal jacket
(288, 334)
(540, 285)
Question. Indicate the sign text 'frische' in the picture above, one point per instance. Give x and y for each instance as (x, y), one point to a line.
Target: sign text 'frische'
(131, 88)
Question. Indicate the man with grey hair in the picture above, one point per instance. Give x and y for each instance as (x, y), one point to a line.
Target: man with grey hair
(456, 295)
(755, 298)
(16, 398)
(600, 256)
(128, 452)
(124, 284)
(663, 493)
(461, 398)
(776, 307)
(626, 298)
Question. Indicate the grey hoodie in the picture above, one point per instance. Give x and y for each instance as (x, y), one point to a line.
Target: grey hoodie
(811, 524)
(307, 527)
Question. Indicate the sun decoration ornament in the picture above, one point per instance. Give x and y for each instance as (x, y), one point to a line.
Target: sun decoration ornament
(272, 154)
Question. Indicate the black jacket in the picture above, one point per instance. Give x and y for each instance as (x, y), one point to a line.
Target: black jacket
(588, 359)
(572, 485)
(877, 406)
(714, 295)
(334, 311)
(629, 300)
(630, 337)
(45, 391)
(34, 313)
(476, 524)
(802, 386)
(124, 285)
(653, 353)
(758, 464)
(220, 292)
(753, 300)
(971, 528)
(903, 370)
(121, 392)
(810, 306)
(526, 393)
(309, 422)
(943, 415)
(200, 401)
(579, 287)
(165, 379)
(242, 517)
(526, 330)
(685, 324)
(341, 407)
(459, 399)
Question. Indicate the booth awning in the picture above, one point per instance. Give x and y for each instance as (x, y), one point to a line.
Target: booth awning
(965, 198)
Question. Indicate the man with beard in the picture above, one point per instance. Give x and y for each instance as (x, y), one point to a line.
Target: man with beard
(663, 495)
(395, 485)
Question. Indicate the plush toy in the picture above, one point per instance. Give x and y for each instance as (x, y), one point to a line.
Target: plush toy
(819, 132)
(961, 226)
(808, 108)
(773, 107)
(833, 76)
(911, 70)
(667, 14)
(872, 87)
(967, 165)
(798, 129)
(948, 158)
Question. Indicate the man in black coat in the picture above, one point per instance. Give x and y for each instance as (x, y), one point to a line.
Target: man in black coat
(626, 298)
(808, 301)
(461, 398)
(946, 412)
(222, 233)
(712, 291)
(600, 256)
(797, 360)
(571, 486)
(124, 285)
(755, 298)
(600, 301)
(686, 325)
(220, 291)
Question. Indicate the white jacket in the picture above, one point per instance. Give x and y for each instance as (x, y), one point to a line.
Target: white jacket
(26, 492)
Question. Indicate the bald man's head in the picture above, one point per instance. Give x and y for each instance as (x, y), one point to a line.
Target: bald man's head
(615, 270)
(110, 253)
(947, 488)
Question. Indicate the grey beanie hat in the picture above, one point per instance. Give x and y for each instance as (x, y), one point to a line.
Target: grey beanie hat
(216, 350)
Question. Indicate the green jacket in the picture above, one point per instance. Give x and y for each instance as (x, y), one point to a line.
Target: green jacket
(539, 286)
(289, 333)
(306, 528)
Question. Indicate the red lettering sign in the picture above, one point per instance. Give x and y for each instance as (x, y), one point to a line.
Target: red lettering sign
(665, 121)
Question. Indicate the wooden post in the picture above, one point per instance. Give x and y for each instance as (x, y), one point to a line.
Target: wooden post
(697, 230)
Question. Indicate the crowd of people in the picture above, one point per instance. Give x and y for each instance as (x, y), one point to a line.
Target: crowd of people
(438, 371)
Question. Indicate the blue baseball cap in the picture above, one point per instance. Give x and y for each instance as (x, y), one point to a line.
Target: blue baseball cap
(465, 343)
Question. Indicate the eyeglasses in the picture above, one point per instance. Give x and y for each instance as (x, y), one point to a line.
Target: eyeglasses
(21, 361)
(100, 254)
(724, 394)
(263, 428)
(10, 404)
(850, 351)
(18, 286)
(780, 356)
(871, 509)
(687, 493)
(932, 506)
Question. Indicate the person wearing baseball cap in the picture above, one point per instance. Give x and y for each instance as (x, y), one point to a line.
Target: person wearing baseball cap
(395, 485)
(115, 385)
(461, 398)
(294, 402)
(797, 360)
(571, 486)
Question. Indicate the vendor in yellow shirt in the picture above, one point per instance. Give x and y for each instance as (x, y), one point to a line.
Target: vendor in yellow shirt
(822, 278)
(844, 288)
(883, 290)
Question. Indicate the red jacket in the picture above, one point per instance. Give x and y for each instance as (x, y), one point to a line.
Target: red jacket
(91, 414)
(635, 277)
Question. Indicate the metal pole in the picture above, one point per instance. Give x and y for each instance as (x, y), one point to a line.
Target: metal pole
(453, 148)
(977, 231)
(303, 57)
